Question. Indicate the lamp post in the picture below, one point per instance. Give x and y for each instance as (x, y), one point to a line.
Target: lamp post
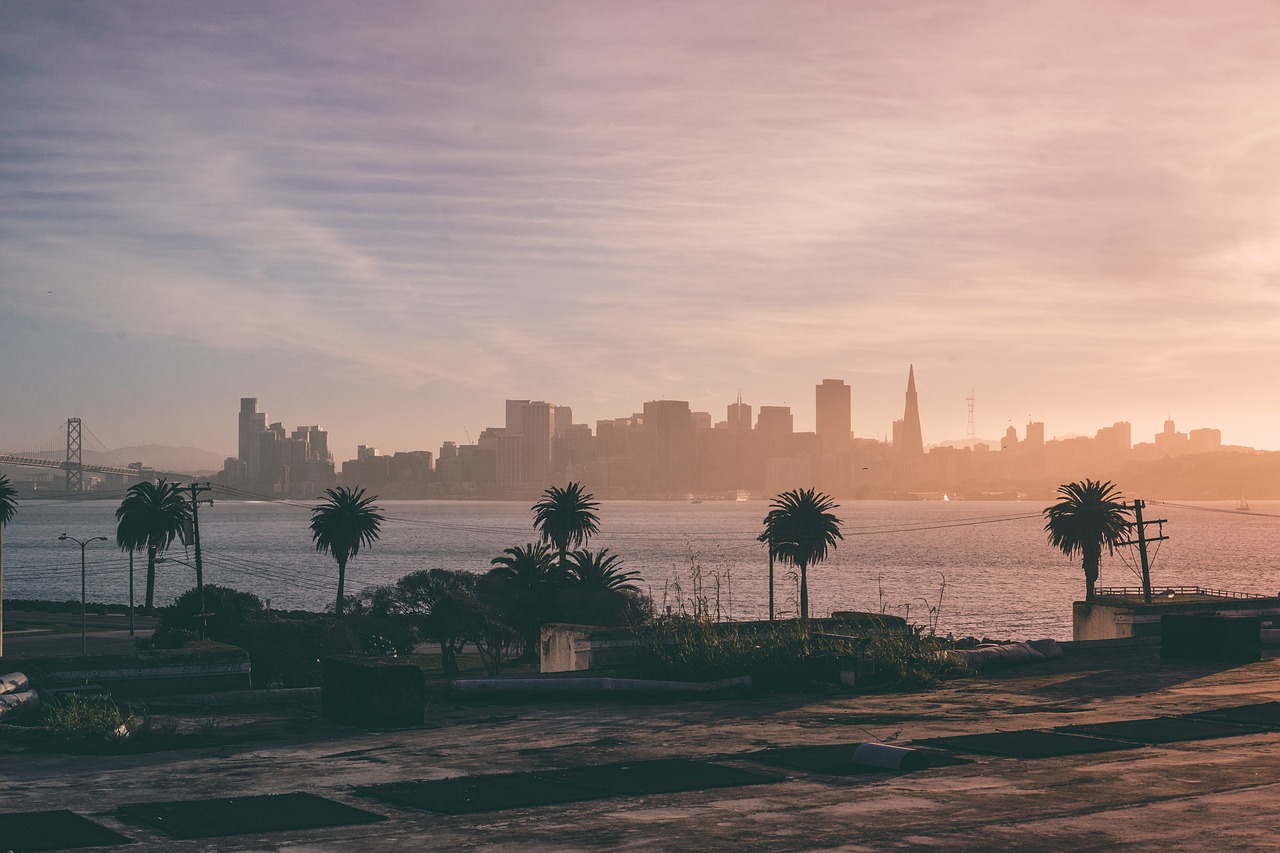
(84, 630)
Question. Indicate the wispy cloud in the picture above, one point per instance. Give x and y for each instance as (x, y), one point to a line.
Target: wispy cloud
(614, 203)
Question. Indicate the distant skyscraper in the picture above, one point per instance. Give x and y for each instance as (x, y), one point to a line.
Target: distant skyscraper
(912, 441)
(739, 416)
(534, 422)
(252, 424)
(775, 420)
(834, 415)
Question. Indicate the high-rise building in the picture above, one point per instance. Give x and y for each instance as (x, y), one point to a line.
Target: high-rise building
(534, 422)
(669, 423)
(739, 416)
(775, 420)
(1035, 434)
(834, 407)
(252, 424)
(911, 443)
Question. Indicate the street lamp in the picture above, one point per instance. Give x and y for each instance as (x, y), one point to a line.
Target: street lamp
(84, 631)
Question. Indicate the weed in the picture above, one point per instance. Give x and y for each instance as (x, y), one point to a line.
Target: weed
(74, 719)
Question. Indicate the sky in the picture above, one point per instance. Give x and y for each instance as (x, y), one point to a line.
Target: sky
(388, 218)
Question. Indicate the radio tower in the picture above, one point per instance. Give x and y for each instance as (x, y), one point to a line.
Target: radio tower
(971, 432)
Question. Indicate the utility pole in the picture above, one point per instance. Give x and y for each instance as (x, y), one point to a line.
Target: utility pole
(195, 490)
(1141, 542)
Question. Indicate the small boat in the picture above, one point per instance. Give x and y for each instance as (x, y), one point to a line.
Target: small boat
(1242, 504)
(741, 495)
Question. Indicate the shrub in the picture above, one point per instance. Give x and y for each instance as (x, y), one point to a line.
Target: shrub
(73, 719)
(608, 608)
(908, 660)
(288, 652)
(786, 655)
(230, 609)
(166, 638)
(777, 656)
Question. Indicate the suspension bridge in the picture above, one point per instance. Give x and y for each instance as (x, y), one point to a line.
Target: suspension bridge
(73, 464)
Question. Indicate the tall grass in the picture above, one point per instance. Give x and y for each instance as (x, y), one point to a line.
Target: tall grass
(76, 719)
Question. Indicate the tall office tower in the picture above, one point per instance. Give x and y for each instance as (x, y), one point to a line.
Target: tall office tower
(834, 415)
(252, 424)
(775, 420)
(319, 443)
(670, 423)
(535, 423)
(739, 417)
(1035, 434)
(912, 440)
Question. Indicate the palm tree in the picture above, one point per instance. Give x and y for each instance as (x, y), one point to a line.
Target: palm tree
(566, 518)
(529, 567)
(8, 509)
(798, 530)
(531, 573)
(151, 516)
(343, 523)
(600, 571)
(1087, 516)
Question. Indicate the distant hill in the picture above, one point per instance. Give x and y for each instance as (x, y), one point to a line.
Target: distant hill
(188, 460)
(178, 460)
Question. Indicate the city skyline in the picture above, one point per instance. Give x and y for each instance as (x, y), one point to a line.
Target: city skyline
(388, 221)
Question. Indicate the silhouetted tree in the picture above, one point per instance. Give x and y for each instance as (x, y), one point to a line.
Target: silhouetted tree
(8, 509)
(531, 577)
(343, 523)
(600, 571)
(1087, 516)
(566, 518)
(151, 517)
(799, 529)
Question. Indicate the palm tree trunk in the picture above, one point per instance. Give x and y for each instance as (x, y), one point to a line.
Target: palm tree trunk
(342, 582)
(151, 579)
(770, 583)
(804, 591)
(1091, 562)
(1, 590)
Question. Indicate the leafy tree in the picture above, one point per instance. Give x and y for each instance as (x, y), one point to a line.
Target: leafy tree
(8, 509)
(600, 571)
(566, 518)
(799, 530)
(1087, 516)
(151, 516)
(343, 523)
(527, 577)
(441, 604)
(231, 610)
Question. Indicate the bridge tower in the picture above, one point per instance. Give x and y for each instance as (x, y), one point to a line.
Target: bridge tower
(74, 466)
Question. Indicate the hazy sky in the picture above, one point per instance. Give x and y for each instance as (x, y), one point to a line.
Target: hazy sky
(387, 218)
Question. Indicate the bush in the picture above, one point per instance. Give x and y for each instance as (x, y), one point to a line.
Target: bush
(73, 719)
(608, 608)
(905, 661)
(288, 652)
(777, 656)
(230, 609)
(788, 655)
(166, 638)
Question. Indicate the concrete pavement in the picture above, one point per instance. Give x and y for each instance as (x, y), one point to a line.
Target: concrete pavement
(1210, 794)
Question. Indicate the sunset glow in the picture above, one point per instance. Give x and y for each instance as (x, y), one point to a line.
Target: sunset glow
(387, 220)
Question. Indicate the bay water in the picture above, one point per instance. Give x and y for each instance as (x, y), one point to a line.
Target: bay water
(969, 567)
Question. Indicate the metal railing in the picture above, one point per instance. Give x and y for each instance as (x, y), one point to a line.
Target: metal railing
(1177, 590)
